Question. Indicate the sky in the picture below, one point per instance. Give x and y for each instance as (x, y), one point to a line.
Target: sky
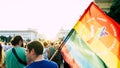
(45, 16)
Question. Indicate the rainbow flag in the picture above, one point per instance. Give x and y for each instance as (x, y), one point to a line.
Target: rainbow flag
(94, 41)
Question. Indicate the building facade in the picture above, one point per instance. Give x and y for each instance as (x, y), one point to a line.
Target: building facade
(28, 35)
(62, 34)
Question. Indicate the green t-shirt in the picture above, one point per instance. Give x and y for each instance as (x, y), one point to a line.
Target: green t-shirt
(52, 50)
(11, 60)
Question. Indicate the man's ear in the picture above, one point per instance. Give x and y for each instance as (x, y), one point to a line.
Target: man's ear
(33, 52)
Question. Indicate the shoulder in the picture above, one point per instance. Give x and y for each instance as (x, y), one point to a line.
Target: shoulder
(51, 64)
(20, 49)
(43, 64)
(32, 65)
(8, 51)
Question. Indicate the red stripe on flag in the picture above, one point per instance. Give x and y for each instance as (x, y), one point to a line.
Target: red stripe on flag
(68, 58)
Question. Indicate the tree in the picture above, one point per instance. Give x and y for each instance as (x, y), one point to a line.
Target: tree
(9, 39)
(3, 38)
(115, 11)
(28, 40)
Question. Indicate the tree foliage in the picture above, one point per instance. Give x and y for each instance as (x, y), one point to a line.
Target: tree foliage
(115, 11)
(5, 39)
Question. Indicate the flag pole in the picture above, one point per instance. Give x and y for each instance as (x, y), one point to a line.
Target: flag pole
(62, 44)
(54, 54)
(59, 48)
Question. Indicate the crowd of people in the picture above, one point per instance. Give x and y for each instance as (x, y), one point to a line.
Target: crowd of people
(35, 54)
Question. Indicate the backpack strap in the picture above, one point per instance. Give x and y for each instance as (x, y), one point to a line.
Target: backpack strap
(19, 60)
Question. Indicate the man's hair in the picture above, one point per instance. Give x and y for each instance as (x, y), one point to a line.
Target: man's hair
(37, 46)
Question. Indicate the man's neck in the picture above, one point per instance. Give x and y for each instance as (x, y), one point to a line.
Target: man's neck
(38, 58)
